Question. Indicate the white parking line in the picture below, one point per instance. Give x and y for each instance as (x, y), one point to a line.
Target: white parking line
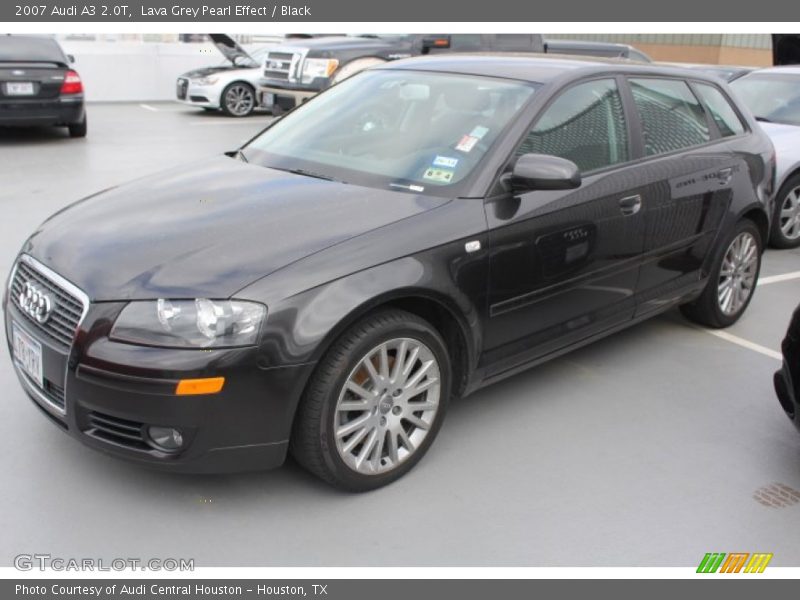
(148, 107)
(779, 278)
(733, 339)
(257, 124)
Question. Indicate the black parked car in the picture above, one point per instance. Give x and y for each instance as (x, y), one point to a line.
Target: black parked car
(787, 380)
(300, 69)
(328, 287)
(37, 85)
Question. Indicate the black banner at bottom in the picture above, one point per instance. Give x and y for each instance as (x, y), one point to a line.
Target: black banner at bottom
(732, 587)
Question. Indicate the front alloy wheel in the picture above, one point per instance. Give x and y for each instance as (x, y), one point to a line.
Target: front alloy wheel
(375, 402)
(238, 100)
(387, 405)
(786, 226)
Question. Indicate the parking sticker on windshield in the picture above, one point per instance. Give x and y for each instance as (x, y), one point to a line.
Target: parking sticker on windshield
(479, 132)
(439, 175)
(466, 143)
(445, 161)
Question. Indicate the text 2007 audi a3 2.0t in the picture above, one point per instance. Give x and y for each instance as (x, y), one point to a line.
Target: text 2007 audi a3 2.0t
(410, 235)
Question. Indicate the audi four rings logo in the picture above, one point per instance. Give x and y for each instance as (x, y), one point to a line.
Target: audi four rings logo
(36, 302)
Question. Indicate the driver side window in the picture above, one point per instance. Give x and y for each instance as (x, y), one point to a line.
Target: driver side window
(585, 124)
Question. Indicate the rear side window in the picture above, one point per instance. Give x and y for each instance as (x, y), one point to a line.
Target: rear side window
(585, 124)
(728, 122)
(671, 116)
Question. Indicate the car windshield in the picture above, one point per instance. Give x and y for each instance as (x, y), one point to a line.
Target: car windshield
(396, 128)
(772, 97)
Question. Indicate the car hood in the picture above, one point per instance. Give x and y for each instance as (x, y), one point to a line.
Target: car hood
(781, 133)
(206, 71)
(208, 229)
(322, 44)
(229, 48)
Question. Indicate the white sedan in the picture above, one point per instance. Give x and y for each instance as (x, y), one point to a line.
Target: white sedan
(231, 86)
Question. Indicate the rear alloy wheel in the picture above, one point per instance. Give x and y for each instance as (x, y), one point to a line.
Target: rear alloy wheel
(732, 280)
(375, 403)
(786, 222)
(238, 99)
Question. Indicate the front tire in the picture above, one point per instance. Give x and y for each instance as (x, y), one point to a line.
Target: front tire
(238, 99)
(375, 403)
(786, 219)
(732, 280)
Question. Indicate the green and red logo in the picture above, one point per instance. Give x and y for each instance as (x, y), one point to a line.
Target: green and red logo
(734, 562)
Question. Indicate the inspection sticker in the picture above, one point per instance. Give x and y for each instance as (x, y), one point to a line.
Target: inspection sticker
(479, 131)
(445, 161)
(439, 175)
(466, 143)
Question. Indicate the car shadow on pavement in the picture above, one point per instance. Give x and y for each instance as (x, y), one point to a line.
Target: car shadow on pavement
(32, 135)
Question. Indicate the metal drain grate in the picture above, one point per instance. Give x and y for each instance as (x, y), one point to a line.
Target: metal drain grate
(776, 495)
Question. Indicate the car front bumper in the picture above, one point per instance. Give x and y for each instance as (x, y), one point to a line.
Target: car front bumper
(107, 393)
(286, 97)
(204, 96)
(787, 379)
(32, 112)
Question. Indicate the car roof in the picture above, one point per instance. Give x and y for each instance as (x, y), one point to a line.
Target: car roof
(787, 69)
(537, 68)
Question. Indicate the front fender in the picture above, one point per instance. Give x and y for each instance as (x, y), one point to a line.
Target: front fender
(302, 328)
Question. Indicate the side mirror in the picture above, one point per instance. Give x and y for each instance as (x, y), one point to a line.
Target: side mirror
(544, 172)
(71, 58)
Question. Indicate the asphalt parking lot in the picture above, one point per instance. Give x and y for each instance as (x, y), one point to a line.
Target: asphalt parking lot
(649, 448)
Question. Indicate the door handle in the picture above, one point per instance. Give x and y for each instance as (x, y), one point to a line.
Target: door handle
(725, 175)
(630, 205)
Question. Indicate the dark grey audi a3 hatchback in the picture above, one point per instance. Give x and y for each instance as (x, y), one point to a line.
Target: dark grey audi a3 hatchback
(410, 235)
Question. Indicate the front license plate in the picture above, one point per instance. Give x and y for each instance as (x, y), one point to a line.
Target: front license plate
(19, 88)
(28, 354)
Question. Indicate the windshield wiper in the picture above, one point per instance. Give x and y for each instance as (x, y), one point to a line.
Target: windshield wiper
(763, 119)
(307, 173)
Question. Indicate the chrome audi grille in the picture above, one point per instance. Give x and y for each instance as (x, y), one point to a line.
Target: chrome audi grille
(65, 310)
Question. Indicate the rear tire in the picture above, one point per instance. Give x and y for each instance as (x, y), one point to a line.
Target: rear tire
(786, 218)
(362, 424)
(732, 280)
(78, 130)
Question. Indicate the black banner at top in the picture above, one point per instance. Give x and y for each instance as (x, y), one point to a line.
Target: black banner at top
(447, 11)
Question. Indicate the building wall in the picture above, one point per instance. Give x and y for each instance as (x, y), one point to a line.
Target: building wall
(135, 71)
(726, 49)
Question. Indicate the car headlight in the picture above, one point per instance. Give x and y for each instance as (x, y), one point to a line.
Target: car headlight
(319, 67)
(199, 323)
(206, 80)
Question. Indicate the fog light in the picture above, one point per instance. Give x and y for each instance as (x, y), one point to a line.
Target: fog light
(165, 438)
